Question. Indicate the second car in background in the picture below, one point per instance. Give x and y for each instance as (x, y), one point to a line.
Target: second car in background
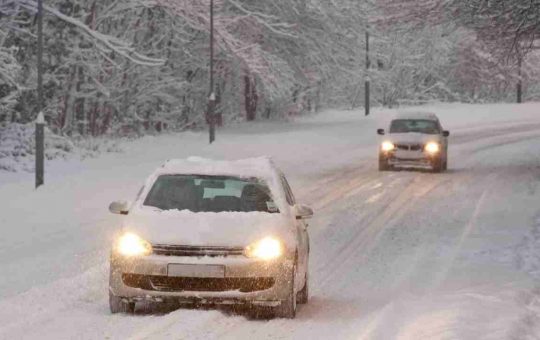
(414, 140)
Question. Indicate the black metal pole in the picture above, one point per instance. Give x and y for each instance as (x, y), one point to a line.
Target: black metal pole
(40, 122)
(367, 84)
(212, 96)
(40, 150)
(519, 86)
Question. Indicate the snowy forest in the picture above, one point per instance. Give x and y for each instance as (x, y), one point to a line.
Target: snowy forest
(122, 67)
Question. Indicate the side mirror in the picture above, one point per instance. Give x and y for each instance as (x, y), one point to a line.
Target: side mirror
(119, 207)
(446, 133)
(303, 211)
(380, 132)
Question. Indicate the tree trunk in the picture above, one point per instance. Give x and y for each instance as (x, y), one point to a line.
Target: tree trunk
(251, 98)
(106, 119)
(93, 119)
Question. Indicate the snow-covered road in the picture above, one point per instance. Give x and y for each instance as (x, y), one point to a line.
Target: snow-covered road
(395, 255)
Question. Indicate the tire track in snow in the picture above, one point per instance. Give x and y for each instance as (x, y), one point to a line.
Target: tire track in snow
(448, 263)
(367, 238)
(486, 133)
(338, 184)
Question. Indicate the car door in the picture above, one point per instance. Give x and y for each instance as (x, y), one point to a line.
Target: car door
(302, 236)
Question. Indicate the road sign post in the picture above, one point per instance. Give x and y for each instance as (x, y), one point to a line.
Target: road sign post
(212, 97)
(40, 121)
(40, 150)
(367, 87)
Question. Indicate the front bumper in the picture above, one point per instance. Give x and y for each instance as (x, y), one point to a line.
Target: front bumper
(423, 163)
(420, 159)
(245, 280)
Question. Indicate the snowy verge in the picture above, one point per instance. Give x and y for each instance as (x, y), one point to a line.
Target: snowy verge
(17, 147)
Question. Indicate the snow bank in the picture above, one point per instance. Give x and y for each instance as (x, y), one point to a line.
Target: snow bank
(17, 147)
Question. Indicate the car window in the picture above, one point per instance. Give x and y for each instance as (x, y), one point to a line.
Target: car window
(415, 125)
(288, 192)
(210, 194)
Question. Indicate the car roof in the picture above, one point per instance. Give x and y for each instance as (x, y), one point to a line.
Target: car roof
(261, 167)
(416, 115)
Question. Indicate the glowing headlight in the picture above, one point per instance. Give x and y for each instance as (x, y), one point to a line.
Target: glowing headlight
(387, 146)
(432, 147)
(266, 249)
(132, 245)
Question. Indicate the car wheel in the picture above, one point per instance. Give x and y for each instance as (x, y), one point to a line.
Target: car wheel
(383, 163)
(437, 165)
(260, 312)
(117, 304)
(287, 308)
(303, 296)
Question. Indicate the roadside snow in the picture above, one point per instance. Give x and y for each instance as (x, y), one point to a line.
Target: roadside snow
(17, 147)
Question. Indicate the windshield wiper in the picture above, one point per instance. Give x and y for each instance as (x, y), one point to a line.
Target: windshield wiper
(151, 207)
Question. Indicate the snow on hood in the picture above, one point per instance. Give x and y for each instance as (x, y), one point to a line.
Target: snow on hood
(233, 229)
(412, 137)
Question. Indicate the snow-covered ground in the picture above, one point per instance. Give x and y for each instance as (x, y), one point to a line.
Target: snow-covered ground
(395, 255)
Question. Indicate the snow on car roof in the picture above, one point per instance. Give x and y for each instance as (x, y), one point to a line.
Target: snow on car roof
(260, 167)
(251, 167)
(416, 115)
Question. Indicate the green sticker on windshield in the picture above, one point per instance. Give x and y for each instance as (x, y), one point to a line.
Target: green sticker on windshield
(271, 206)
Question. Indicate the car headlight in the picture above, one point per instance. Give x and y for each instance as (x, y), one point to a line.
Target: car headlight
(266, 249)
(432, 147)
(387, 146)
(130, 244)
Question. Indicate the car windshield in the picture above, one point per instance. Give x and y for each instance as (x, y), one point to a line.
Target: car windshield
(414, 125)
(210, 194)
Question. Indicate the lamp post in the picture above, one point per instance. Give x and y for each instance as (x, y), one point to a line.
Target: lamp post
(519, 86)
(40, 121)
(368, 80)
(212, 95)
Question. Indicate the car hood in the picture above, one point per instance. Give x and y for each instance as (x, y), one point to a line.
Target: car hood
(413, 137)
(230, 229)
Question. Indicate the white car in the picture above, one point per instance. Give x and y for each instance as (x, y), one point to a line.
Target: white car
(414, 140)
(216, 232)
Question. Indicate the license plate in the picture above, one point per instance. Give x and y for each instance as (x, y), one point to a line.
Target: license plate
(409, 155)
(195, 270)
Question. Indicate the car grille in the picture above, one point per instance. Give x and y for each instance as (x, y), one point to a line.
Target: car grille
(180, 284)
(409, 147)
(196, 251)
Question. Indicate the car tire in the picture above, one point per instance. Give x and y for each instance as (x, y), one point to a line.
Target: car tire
(260, 313)
(383, 163)
(303, 295)
(437, 165)
(118, 304)
(287, 308)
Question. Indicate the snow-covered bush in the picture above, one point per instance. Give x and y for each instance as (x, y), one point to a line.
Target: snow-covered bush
(17, 147)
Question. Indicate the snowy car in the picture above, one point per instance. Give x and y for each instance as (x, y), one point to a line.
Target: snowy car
(414, 140)
(217, 232)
